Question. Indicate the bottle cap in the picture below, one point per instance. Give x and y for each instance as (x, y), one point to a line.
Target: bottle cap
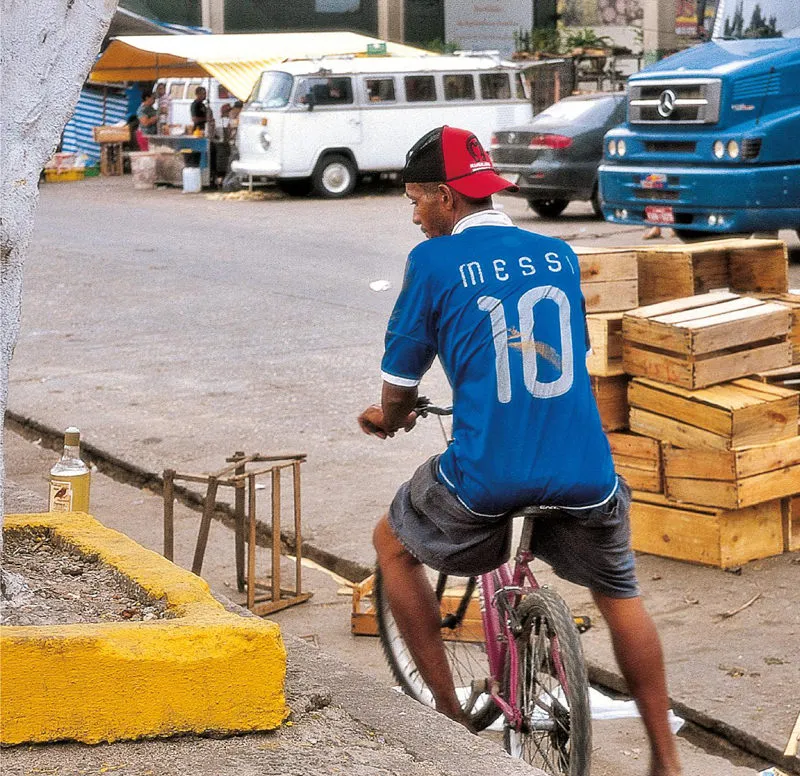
(72, 436)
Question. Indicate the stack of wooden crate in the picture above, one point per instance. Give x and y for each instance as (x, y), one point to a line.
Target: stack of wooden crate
(695, 390)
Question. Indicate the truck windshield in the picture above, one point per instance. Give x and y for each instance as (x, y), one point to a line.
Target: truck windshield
(272, 90)
(738, 19)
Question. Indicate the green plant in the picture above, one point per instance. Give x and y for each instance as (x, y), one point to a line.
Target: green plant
(587, 38)
(539, 39)
(440, 46)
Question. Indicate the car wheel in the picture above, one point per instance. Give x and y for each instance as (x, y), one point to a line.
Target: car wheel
(596, 209)
(696, 235)
(548, 208)
(295, 187)
(336, 176)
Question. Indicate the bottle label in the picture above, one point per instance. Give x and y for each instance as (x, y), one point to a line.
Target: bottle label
(60, 496)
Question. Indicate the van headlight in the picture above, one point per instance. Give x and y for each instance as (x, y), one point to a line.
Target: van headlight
(612, 147)
(266, 140)
(733, 149)
(719, 149)
(621, 147)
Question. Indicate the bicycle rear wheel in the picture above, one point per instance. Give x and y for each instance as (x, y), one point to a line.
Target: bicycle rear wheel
(556, 733)
(462, 633)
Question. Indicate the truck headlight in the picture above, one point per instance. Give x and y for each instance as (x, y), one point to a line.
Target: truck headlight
(719, 149)
(733, 149)
(621, 147)
(266, 140)
(612, 147)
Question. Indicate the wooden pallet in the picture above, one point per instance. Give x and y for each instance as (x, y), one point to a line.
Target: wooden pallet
(738, 414)
(611, 395)
(733, 479)
(363, 620)
(673, 271)
(609, 279)
(703, 340)
(713, 537)
(605, 338)
(638, 460)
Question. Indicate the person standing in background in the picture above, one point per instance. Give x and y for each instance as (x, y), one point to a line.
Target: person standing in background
(162, 106)
(200, 111)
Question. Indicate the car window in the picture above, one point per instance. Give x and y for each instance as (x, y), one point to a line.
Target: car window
(223, 93)
(380, 89)
(176, 90)
(325, 91)
(459, 86)
(420, 88)
(569, 110)
(495, 86)
(519, 86)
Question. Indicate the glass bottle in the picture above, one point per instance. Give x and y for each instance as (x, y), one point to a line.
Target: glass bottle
(70, 477)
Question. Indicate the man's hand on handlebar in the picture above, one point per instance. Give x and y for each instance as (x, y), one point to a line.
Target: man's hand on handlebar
(373, 422)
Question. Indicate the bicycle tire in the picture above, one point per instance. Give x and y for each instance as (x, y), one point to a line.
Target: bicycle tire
(564, 749)
(468, 660)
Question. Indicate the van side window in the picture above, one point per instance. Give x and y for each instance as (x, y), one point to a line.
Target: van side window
(495, 86)
(325, 91)
(380, 89)
(176, 91)
(459, 86)
(420, 88)
(519, 86)
(223, 93)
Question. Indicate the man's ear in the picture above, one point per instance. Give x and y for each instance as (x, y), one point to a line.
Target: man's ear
(447, 198)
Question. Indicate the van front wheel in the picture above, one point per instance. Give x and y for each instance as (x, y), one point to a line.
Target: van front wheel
(335, 176)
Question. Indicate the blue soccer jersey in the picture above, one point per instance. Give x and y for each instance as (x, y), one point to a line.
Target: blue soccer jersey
(503, 310)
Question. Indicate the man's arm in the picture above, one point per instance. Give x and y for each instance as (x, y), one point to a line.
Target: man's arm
(395, 411)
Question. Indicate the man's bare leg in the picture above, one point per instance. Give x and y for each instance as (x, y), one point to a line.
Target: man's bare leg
(638, 652)
(416, 612)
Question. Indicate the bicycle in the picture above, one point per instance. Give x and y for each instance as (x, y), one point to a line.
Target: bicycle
(525, 636)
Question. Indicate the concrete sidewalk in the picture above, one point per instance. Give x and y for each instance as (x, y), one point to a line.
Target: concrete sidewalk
(346, 718)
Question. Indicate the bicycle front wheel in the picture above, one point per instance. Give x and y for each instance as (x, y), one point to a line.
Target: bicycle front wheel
(552, 689)
(462, 633)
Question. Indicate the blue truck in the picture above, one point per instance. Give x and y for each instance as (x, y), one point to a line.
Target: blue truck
(711, 144)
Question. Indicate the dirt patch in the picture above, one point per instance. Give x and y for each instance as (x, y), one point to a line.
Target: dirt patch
(66, 586)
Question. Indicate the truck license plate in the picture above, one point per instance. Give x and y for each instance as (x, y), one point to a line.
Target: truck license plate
(659, 214)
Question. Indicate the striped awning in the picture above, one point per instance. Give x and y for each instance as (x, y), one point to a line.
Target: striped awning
(95, 108)
(235, 61)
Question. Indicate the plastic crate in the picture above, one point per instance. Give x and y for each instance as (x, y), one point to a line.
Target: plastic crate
(64, 175)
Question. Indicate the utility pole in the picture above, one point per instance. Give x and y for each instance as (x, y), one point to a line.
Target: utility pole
(213, 15)
(391, 20)
(658, 27)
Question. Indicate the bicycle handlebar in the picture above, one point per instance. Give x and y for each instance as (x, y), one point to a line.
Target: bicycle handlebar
(423, 408)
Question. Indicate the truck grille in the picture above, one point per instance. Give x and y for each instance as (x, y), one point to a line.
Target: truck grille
(689, 101)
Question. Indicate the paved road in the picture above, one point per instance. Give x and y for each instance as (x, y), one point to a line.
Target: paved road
(176, 329)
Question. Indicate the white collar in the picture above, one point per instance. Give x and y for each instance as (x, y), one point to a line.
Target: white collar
(482, 218)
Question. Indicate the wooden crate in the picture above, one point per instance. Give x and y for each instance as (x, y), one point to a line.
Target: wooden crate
(673, 271)
(108, 133)
(791, 524)
(638, 460)
(737, 414)
(703, 340)
(787, 376)
(609, 279)
(732, 479)
(363, 620)
(792, 301)
(611, 395)
(605, 338)
(714, 537)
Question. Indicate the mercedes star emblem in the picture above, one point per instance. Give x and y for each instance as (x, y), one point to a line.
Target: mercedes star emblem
(666, 103)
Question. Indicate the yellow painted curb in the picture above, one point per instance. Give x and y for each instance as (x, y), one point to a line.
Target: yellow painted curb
(205, 670)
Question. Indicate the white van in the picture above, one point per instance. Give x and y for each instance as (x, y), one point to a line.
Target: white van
(326, 121)
(181, 96)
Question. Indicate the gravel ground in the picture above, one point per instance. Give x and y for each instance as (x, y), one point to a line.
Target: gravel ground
(67, 587)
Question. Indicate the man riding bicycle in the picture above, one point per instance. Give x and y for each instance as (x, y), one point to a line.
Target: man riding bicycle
(502, 309)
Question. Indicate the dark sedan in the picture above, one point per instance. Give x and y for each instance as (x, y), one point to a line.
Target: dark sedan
(554, 157)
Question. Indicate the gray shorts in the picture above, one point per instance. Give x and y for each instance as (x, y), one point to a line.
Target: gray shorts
(590, 547)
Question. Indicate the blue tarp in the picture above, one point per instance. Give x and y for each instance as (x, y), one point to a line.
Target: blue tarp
(88, 114)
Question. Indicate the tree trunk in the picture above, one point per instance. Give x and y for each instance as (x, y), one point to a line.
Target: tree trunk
(47, 50)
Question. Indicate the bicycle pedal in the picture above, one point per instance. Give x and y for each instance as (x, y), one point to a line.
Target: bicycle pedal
(582, 623)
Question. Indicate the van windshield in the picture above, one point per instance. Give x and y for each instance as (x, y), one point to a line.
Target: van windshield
(272, 90)
(738, 19)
